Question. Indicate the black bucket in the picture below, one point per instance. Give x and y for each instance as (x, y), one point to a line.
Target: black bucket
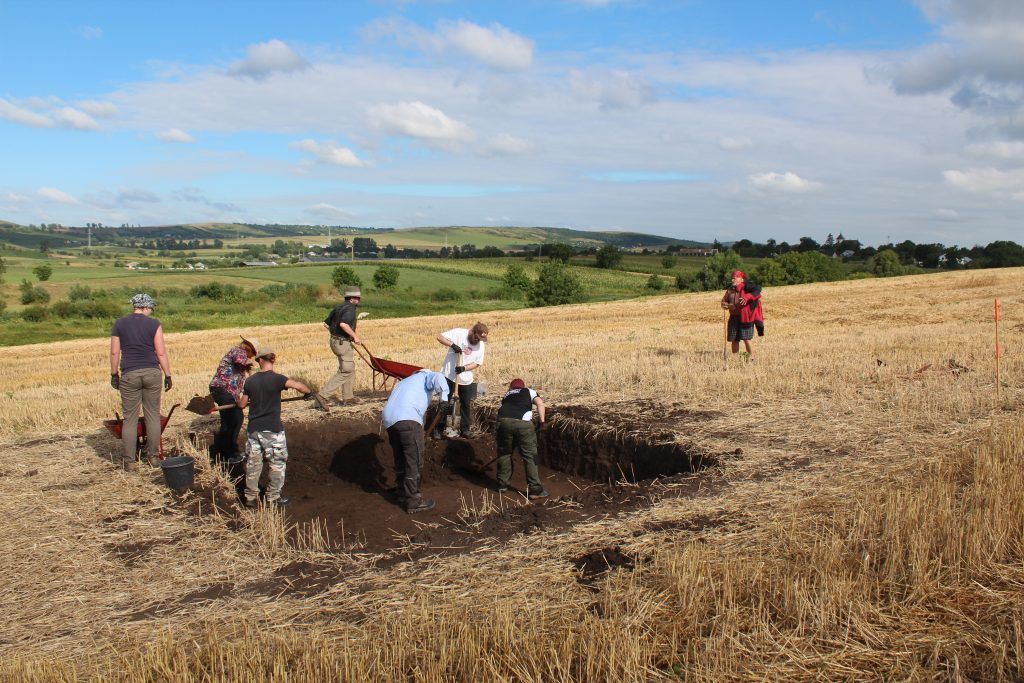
(179, 472)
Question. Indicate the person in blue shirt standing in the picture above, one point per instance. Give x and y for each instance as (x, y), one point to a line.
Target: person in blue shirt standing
(403, 418)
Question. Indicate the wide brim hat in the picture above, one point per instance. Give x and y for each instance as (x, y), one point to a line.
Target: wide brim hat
(251, 341)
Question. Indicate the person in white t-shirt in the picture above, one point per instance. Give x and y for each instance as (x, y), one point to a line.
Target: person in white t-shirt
(465, 354)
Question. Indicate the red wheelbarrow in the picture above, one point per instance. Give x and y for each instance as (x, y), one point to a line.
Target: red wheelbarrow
(115, 426)
(383, 370)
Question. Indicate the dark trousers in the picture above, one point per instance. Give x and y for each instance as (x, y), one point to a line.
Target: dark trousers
(406, 438)
(225, 443)
(515, 433)
(467, 392)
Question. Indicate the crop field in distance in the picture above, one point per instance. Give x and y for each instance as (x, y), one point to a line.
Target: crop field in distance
(845, 507)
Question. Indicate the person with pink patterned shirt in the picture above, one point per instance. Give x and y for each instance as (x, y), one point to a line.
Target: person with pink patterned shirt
(225, 388)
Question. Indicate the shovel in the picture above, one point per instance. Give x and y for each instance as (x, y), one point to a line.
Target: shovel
(452, 431)
(204, 405)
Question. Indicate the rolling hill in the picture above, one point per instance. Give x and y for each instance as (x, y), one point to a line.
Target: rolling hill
(418, 237)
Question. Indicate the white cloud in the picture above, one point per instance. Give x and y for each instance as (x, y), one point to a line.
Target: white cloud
(328, 212)
(103, 110)
(733, 144)
(494, 46)
(137, 195)
(978, 62)
(504, 144)
(195, 195)
(263, 59)
(90, 32)
(175, 135)
(988, 181)
(15, 197)
(26, 117)
(54, 195)
(950, 215)
(330, 152)
(612, 90)
(998, 149)
(58, 114)
(783, 182)
(419, 120)
(75, 118)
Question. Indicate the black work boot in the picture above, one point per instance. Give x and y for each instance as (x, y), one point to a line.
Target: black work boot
(419, 505)
(538, 493)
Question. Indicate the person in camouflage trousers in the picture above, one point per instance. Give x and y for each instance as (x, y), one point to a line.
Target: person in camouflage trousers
(266, 440)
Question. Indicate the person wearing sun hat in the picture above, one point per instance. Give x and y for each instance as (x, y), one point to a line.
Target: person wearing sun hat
(226, 388)
(138, 361)
(737, 301)
(515, 429)
(341, 324)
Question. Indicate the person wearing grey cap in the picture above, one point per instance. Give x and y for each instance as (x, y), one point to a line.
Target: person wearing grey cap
(341, 323)
(138, 361)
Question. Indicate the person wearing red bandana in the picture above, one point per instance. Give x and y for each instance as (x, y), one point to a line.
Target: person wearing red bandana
(744, 306)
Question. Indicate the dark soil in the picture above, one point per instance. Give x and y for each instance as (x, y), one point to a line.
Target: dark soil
(341, 472)
(131, 552)
(594, 564)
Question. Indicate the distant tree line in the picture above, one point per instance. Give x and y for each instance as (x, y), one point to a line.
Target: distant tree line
(998, 254)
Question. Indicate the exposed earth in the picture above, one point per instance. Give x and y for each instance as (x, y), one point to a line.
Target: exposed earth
(341, 476)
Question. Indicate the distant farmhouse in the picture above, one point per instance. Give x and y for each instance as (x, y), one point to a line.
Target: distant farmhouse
(698, 251)
(259, 263)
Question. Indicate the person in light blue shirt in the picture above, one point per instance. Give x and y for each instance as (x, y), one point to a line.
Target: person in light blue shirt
(403, 418)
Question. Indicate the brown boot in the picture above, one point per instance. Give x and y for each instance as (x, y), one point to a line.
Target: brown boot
(130, 466)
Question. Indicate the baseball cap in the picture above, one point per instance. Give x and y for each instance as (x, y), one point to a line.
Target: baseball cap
(141, 300)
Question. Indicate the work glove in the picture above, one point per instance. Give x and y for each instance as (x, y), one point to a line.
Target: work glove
(168, 383)
(459, 369)
(456, 348)
(115, 381)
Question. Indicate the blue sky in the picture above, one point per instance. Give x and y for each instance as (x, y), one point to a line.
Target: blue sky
(694, 118)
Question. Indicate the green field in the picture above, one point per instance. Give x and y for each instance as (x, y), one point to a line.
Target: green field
(267, 295)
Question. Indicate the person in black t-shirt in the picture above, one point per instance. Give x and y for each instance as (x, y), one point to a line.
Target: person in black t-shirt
(138, 363)
(341, 323)
(266, 440)
(515, 428)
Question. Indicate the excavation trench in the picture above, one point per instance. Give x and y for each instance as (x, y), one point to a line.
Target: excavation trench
(341, 473)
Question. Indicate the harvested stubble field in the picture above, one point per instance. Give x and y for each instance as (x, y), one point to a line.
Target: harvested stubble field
(854, 509)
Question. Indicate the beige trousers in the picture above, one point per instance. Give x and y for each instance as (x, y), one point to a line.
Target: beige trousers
(141, 388)
(344, 379)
